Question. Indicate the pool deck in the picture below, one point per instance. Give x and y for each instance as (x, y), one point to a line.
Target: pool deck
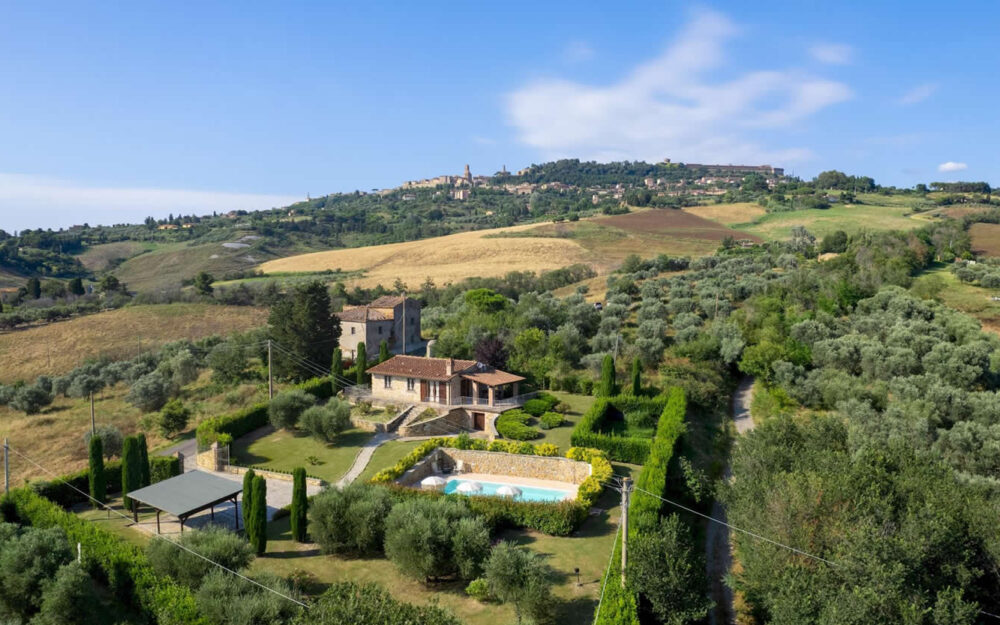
(513, 481)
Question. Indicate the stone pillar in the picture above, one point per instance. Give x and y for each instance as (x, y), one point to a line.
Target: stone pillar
(180, 460)
(516, 387)
(491, 400)
(475, 393)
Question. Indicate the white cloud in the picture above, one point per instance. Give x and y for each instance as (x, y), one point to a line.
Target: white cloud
(578, 52)
(952, 166)
(832, 53)
(670, 106)
(39, 201)
(918, 94)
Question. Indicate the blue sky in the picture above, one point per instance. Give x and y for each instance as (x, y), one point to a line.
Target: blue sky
(110, 113)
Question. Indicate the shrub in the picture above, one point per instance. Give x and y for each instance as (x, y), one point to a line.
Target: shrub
(479, 589)
(535, 407)
(608, 386)
(550, 420)
(70, 599)
(28, 562)
(173, 418)
(163, 467)
(350, 603)
(131, 470)
(248, 478)
(286, 408)
(629, 449)
(326, 422)
(513, 424)
(470, 543)
(111, 440)
(214, 543)
(350, 520)
(225, 599)
(123, 566)
(30, 399)
(257, 528)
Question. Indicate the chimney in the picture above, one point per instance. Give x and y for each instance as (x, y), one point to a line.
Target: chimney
(449, 367)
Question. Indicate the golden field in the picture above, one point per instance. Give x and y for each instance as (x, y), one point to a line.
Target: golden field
(728, 214)
(57, 348)
(444, 259)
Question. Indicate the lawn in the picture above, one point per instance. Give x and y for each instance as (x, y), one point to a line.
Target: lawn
(968, 298)
(560, 436)
(588, 550)
(56, 348)
(387, 455)
(284, 450)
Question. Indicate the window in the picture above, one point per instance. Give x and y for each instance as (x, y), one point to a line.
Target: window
(410, 384)
(380, 329)
(353, 329)
(388, 381)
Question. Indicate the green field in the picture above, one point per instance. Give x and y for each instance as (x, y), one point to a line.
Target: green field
(964, 297)
(284, 450)
(877, 212)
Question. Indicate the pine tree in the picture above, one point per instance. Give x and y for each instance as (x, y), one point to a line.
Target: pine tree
(95, 475)
(383, 351)
(607, 385)
(636, 377)
(337, 369)
(361, 363)
(304, 325)
(131, 471)
(258, 516)
(247, 499)
(144, 476)
(300, 505)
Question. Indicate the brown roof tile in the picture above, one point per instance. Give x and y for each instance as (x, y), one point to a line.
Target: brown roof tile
(437, 369)
(361, 313)
(390, 301)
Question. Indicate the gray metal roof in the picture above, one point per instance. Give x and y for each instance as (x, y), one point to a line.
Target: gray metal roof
(187, 493)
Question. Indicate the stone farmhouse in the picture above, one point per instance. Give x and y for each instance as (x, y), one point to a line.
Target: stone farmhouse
(466, 385)
(392, 318)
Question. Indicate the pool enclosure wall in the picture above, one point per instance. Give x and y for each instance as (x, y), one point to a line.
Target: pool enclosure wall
(457, 461)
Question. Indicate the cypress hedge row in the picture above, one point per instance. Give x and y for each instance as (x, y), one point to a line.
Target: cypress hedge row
(122, 566)
(630, 449)
(224, 428)
(620, 605)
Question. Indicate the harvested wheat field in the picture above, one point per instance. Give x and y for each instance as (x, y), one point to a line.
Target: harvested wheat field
(674, 223)
(985, 239)
(444, 259)
(728, 214)
(57, 348)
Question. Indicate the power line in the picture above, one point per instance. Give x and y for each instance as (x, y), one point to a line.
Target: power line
(177, 544)
(607, 574)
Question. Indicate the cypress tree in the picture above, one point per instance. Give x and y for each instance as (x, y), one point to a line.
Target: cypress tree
(337, 369)
(144, 476)
(300, 505)
(636, 377)
(131, 471)
(95, 476)
(247, 499)
(34, 288)
(383, 351)
(607, 386)
(258, 517)
(361, 363)
(76, 286)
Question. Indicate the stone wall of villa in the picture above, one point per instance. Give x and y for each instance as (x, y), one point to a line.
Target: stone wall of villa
(454, 422)
(499, 463)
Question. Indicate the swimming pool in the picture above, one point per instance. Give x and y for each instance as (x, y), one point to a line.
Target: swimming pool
(528, 493)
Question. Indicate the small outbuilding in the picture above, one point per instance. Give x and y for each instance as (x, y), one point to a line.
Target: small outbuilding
(188, 494)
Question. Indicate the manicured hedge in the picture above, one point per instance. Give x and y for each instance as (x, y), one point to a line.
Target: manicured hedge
(513, 424)
(224, 428)
(620, 605)
(587, 432)
(556, 519)
(121, 565)
(541, 404)
(61, 491)
(550, 420)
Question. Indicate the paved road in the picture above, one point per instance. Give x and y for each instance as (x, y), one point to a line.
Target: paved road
(190, 450)
(718, 551)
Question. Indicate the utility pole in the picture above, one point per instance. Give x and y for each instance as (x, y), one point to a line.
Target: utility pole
(93, 421)
(6, 467)
(270, 378)
(626, 488)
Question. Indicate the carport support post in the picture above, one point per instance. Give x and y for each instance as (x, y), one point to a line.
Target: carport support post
(236, 518)
(157, 521)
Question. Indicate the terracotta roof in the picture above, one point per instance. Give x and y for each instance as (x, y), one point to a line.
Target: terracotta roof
(391, 301)
(362, 313)
(437, 369)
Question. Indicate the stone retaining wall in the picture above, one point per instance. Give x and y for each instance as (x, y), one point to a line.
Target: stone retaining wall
(270, 475)
(454, 422)
(500, 463)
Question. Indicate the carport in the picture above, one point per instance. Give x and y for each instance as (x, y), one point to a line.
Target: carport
(188, 494)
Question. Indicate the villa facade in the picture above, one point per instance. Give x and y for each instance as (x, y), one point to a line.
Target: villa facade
(445, 382)
(391, 318)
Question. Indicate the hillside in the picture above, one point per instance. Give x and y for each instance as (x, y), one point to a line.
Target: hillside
(56, 348)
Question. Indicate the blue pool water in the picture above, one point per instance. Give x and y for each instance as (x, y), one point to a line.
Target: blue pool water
(528, 493)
